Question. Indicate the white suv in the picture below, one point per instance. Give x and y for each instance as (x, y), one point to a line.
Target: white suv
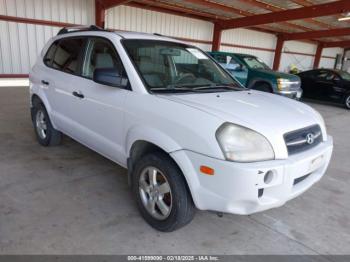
(190, 136)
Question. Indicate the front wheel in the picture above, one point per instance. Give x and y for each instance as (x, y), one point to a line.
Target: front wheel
(161, 193)
(347, 102)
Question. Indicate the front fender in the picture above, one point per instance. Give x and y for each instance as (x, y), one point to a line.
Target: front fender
(151, 135)
(158, 138)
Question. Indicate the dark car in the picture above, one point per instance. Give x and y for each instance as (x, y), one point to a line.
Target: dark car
(326, 84)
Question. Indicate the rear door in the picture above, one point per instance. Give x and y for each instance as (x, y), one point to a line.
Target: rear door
(64, 78)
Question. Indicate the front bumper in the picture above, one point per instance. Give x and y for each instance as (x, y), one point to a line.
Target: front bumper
(239, 188)
(294, 94)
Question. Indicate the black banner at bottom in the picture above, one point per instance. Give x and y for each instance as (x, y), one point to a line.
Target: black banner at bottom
(162, 258)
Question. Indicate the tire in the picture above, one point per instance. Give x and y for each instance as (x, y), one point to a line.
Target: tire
(264, 87)
(347, 101)
(181, 209)
(46, 134)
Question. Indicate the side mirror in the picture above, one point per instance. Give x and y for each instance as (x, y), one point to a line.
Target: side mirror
(110, 77)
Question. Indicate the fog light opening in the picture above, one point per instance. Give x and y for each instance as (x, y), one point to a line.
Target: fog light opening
(268, 177)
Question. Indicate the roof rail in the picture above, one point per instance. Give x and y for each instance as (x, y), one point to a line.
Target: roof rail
(73, 29)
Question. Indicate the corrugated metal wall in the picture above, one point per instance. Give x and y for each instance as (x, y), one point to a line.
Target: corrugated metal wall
(330, 52)
(303, 61)
(251, 39)
(21, 43)
(140, 20)
(290, 56)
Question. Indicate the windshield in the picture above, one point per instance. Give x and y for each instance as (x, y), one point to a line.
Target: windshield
(255, 63)
(344, 75)
(168, 66)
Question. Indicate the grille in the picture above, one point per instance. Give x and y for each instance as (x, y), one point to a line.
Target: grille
(303, 139)
(294, 85)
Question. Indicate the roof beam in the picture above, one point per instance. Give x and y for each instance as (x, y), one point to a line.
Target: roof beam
(216, 43)
(278, 53)
(318, 55)
(236, 11)
(318, 34)
(100, 14)
(303, 2)
(216, 6)
(309, 3)
(338, 44)
(174, 10)
(292, 14)
(32, 21)
(266, 6)
(274, 8)
(112, 3)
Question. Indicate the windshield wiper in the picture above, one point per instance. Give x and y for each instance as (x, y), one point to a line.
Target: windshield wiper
(196, 88)
(171, 88)
(218, 86)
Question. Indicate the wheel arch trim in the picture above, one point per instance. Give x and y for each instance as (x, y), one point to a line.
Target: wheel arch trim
(164, 143)
(261, 80)
(41, 96)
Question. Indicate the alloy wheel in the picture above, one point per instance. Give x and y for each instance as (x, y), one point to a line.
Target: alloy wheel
(155, 193)
(40, 123)
(347, 102)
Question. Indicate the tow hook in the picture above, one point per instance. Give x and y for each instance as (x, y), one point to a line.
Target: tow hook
(219, 214)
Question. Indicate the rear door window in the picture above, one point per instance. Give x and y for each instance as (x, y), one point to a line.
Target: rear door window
(68, 55)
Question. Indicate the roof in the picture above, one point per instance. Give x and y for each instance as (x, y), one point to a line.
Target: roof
(273, 16)
(136, 35)
(94, 30)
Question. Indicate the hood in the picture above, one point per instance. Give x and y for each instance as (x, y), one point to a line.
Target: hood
(269, 114)
(278, 74)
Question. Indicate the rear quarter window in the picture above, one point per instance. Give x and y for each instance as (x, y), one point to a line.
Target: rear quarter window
(48, 58)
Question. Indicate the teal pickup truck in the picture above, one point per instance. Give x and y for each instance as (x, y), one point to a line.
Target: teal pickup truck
(253, 73)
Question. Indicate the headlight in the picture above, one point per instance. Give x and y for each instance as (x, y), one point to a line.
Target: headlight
(283, 84)
(241, 144)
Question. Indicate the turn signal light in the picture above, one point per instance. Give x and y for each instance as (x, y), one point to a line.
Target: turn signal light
(207, 170)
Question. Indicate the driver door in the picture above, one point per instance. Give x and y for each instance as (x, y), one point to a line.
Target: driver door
(101, 108)
(324, 84)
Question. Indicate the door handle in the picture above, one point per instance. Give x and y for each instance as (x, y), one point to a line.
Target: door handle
(45, 82)
(75, 93)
